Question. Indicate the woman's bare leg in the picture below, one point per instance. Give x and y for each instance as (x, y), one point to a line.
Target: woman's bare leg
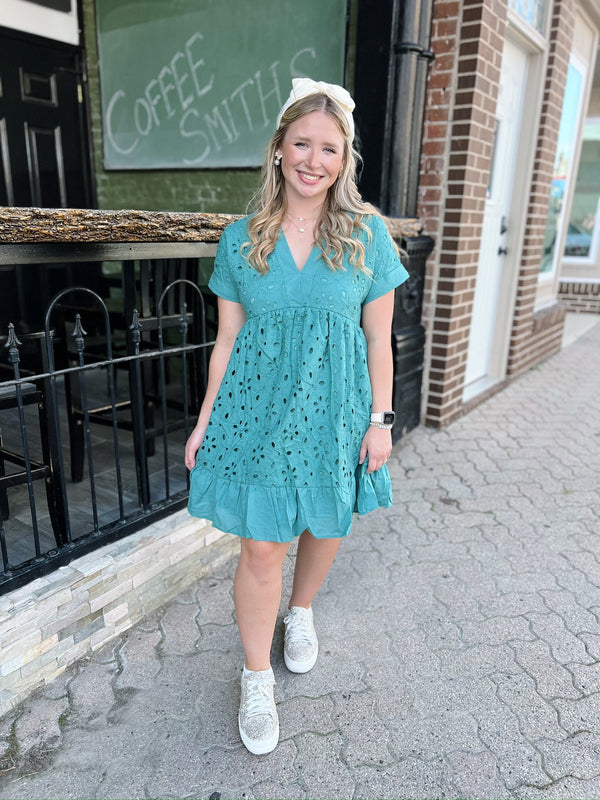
(257, 594)
(313, 561)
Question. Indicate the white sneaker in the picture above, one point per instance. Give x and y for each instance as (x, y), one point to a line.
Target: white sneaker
(300, 644)
(257, 719)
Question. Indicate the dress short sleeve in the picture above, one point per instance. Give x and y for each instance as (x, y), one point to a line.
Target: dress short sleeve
(222, 282)
(387, 269)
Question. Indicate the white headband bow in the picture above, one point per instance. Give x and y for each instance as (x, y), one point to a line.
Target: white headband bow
(303, 87)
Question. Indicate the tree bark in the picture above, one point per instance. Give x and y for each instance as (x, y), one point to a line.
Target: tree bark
(47, 225)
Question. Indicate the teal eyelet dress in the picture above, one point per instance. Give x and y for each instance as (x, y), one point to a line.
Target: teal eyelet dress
(281, 450)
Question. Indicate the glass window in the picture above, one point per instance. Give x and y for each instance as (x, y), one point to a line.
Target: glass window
(533, 12)
(564, 154)
(584, 226)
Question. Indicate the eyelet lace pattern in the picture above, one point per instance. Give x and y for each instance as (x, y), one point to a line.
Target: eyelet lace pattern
(281, 450)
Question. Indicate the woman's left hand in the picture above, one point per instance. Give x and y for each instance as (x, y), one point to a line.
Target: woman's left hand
(377, 444)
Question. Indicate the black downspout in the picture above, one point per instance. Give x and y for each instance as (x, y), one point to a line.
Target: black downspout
(411, 57)
(390, 81)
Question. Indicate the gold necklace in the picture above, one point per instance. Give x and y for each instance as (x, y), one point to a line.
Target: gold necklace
(300, 219)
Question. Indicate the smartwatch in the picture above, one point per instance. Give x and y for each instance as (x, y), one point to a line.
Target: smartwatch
(384, 417)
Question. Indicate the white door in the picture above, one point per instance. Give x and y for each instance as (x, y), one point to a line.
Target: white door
(497, 219)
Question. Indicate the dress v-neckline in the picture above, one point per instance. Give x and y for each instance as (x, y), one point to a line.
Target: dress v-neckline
(291, 256)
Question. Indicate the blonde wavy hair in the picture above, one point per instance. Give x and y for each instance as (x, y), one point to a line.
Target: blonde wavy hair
(343, 212)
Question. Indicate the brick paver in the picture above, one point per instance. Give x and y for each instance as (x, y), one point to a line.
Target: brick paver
(459, 632)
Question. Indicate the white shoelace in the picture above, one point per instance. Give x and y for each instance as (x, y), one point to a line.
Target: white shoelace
(258, 698)
(298, 628)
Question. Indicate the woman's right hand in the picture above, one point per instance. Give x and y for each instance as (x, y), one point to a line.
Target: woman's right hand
(192, 446)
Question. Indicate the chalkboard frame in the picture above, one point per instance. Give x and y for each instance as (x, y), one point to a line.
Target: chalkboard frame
(209, 136)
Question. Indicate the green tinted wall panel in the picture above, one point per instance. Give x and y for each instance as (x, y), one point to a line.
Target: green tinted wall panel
(197, 84)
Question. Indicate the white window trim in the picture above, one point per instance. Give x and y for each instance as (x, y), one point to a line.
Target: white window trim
(583, 281)
(21, 15)
(548, 282)
(592, 258)
(535, 38)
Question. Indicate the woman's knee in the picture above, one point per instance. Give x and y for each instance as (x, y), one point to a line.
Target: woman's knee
(262, 558)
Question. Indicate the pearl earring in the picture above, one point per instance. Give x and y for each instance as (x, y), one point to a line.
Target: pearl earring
(277, 159)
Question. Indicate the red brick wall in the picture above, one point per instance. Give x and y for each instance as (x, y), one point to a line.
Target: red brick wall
(434, 161)
(457, 148)
(575, 296)
(467, 39)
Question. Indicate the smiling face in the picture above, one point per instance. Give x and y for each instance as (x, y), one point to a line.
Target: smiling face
(312, 157)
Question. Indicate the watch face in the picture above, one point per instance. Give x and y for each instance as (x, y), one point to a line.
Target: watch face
(388, 417)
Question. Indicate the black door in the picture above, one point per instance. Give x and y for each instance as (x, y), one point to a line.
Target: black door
(43, 137)
(44, 157)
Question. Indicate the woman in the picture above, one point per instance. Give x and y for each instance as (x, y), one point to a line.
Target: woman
(295, 428)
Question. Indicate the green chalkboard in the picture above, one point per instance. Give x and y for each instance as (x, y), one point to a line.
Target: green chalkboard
(198, 83)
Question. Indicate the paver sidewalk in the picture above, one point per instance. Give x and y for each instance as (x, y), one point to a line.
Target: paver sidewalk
(459, 631)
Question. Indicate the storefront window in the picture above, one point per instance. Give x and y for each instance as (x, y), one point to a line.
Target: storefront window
(584, 226)
(532, 11)
(564, 154)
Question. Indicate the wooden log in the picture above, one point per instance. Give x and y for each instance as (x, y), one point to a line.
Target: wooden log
(76, 225)
(58, 225)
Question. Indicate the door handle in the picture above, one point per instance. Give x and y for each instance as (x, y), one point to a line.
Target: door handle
(502, 251)
(503, 225)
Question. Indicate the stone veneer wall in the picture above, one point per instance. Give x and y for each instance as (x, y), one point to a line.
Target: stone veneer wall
(52, 622)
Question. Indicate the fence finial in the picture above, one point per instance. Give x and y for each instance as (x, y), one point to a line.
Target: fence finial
(135, 328)
(12, 344)
(79, 334)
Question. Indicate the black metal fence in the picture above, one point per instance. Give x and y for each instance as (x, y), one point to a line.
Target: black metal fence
(95, 407)
(96, 401)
